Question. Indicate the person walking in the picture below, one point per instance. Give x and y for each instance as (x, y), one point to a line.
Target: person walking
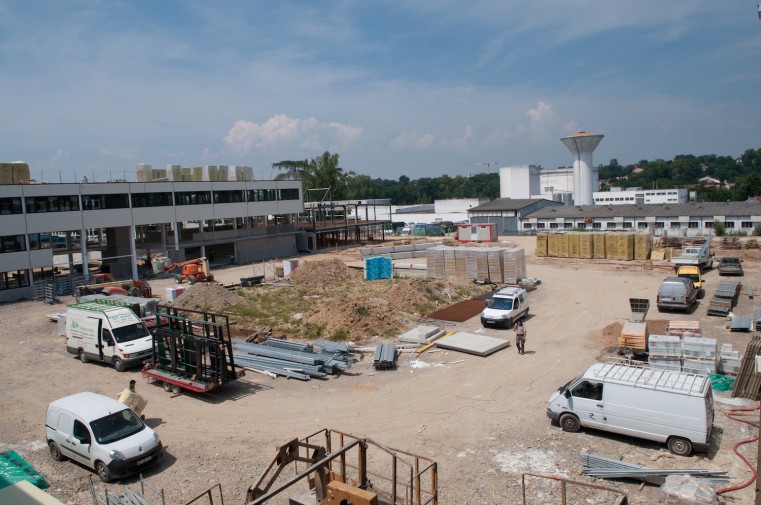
(520, 337)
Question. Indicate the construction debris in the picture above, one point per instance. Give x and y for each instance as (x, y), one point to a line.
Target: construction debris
(471, 343)
(724, 299)
(422, 335)
(606, 468)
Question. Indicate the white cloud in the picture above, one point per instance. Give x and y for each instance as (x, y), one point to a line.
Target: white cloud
(542, 116)
(283, 131)
(413, 140)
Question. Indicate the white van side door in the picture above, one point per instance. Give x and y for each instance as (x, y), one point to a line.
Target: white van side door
(70, 438)
(586, 402)
(107, 345)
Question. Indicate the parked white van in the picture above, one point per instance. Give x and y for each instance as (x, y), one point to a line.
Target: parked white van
(98, 332)
(100, 433)
(664, 406)
(506, 306)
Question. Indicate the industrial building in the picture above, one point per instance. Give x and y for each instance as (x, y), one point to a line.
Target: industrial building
(639, 196)
(679, 220)
(508, 213)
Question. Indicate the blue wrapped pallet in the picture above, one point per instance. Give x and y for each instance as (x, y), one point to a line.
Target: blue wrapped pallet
(378, 267)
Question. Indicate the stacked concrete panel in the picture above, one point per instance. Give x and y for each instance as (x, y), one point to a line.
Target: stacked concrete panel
(463, 263)
(435, 263)
(496, 263)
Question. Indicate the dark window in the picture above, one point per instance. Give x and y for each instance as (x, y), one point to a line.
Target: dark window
(289, 194)
(229, 196)
(659, 224)
(96, 202)
(192, 198)
(39, 204)
(526, 226)
(610, 225)
(261, 195)
(80, 432)
(540, 226)
(12, 243)
(39, 241)
(152, 200)
(693, 224)
(568, 225)
(598, 225)
(589, 390)
(674, 224)
(553, 225)
(10, 206)
(13, 280)
(628, 224)
(729, 224)
(746, 224)
(642, 224)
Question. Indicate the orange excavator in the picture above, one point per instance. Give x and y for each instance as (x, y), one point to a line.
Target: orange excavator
(193, 271)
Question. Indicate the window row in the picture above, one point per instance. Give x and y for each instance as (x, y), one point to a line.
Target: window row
(641, 225)
(66, 203)
(13, 280)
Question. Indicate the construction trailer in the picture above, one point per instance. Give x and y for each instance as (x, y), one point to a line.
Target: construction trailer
(339, 468)
(192, 350)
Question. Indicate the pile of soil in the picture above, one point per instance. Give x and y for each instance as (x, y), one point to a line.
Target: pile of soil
(360, 317)
(323, 273)
(207, 297)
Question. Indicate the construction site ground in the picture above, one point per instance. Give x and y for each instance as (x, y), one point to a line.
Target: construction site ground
(481, 418)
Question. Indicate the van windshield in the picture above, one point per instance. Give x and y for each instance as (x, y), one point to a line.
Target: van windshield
(116, 426)
(692, 277)
(500, 303)
(130, 332)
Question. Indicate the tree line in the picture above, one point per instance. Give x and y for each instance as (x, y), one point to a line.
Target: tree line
(323, 178)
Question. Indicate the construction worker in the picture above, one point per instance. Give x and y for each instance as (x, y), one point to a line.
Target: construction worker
(131, 399)
(520, 337)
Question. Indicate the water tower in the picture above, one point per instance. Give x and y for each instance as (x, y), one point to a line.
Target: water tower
(582, 145)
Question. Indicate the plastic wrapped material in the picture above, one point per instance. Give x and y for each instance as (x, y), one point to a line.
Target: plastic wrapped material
(686, 490)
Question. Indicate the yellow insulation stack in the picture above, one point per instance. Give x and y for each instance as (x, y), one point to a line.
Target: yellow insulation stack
(563, 248)
(586, 245)
(598, 241)
(14, 173)
(573, 245)
(552, 245)
(541, 245)
(643, 246)
(620, 246)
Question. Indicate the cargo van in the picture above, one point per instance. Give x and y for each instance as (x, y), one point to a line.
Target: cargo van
(100, 433)
(506, 306)
(676, 293)
(115, 335)
(675, 408)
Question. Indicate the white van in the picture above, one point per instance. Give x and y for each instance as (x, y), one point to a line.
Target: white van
(664, 406)
(98, 332)
(506, 306)
(100, 433)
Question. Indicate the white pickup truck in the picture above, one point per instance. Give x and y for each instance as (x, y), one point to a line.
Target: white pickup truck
(695, 255)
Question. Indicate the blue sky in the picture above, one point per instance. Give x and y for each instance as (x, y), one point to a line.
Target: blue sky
(416, 88)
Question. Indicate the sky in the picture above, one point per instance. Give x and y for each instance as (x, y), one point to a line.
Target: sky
(420, 88)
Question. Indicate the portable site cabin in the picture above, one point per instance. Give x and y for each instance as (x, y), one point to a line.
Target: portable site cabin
(482, 232)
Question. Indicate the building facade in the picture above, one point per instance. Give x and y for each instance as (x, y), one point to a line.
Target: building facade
(639, 196)
(50, 230)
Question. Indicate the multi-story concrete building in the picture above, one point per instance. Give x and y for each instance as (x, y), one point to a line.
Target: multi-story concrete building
(119, 223)
(638, 196)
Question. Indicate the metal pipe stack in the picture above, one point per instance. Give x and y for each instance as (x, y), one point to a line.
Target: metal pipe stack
(606, 468)
(385, 356)
(290, 359)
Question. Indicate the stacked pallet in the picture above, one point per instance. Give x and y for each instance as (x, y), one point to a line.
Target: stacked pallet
(730, 243)
(434, 258)
(574, 245)
(541, 245)
(643, 246)
(378, 267)
(600, 251)
(619, 246)
(665, 352)
(468, 263)
(482, 266)
(699, 355)
(496, 263)
(684, 328)
(729, 360)
(586, 245)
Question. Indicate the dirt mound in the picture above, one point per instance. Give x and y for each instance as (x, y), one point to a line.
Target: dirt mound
(207, 297)
(358, 317)
(323, 273)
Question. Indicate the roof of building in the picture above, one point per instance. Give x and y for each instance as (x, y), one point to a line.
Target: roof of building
(696, 209)
(509, 204)
(416, 209)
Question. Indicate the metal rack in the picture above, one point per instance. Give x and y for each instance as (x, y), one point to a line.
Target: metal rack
(646, 377)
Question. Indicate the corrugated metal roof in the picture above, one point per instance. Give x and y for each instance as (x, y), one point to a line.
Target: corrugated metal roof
(416, 209)
(509, 204)
(665, 210)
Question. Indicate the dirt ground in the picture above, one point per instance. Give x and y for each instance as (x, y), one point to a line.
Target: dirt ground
(482, 420)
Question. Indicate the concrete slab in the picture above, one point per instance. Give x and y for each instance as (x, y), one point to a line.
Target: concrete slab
(471, 343)
(423, 334)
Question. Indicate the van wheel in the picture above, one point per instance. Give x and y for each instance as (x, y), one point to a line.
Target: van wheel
(680, 446)
(82, 357)
(167, 387)
(55, 451)
(102, 470)
(570, 423)
(119, 365)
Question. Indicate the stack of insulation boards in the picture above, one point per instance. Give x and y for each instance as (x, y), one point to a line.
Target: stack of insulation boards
(665, 352)
(467, 263)
(588, 245)
(634, 336)
(14, 173)
(729, 360)
(699, 355)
